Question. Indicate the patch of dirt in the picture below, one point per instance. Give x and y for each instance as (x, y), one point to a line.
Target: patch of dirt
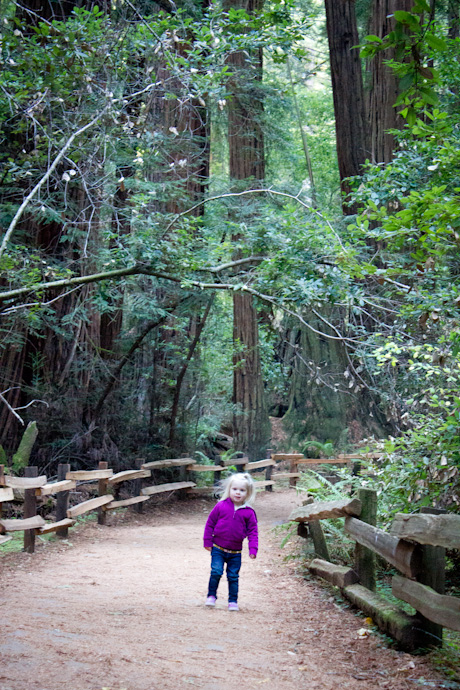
(122, 607)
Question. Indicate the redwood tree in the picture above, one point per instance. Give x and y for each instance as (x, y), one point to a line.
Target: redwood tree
(247, 169)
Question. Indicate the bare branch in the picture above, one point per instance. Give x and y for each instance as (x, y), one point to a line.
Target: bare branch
(11, 409)
(272, 192)
(233, 264)
(46, 177)
(185, 282)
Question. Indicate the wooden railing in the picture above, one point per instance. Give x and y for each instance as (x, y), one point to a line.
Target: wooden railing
(36, 488)
(415, 546)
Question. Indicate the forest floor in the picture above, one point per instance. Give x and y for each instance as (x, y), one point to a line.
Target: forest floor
(122, 607)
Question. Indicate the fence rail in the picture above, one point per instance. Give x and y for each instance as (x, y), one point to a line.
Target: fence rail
(419, 556)
(36, 488)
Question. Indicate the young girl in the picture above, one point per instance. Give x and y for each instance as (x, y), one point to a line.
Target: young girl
(230, 521)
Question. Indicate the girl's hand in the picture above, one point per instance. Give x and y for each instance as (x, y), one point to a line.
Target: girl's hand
(208, 548)
(252, 555)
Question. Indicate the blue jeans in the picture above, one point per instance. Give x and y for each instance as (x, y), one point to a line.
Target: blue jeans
(218, 560)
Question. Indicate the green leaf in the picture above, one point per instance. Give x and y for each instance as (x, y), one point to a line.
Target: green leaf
(373, 39)
(406, 17)
(421, 6)
(435, 42)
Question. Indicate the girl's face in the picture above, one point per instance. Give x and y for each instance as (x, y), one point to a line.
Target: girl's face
(238, 492)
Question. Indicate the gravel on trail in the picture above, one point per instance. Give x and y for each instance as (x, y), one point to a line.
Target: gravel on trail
(121, 607)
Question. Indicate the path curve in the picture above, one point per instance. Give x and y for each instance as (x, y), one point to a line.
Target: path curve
(121, 607)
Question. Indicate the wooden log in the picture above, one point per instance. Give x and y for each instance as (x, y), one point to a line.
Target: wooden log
(388, 617)
(160, 464)
(241, 460)
(6, 495)
(89, 475)
(360, 456)
(205, 468)
(339, 575)
(25, 482)
(30, 510)
(129, 475)
(436, 530)
(288, 456)
(259, 463)
(4, 538)
(402, 554)
(102, 491)
(326, 509)
(200, 490)
(62, 501)
(55, 488)
(285, 475)
(21, 525)
(438, 608)
(54, 526)
(87, 506)
(365, 560)
(125, 502)
(263, 484)
(319, 540)
(322, 461)
(160, 488)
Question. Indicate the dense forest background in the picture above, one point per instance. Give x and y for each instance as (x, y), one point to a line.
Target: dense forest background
(232, 225)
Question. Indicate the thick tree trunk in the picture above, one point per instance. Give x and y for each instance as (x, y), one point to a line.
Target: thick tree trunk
(382, 85)
(347, 88)
(251, 428)
(326, 400)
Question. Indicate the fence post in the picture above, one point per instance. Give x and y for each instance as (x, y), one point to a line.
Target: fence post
(365, 559)
(319, 540)
(432, 573)
(62, 501)
(269, 470)
(240, 465)
(30, 510)
(293, 468)
(138, 507)
(217, 475)
(102, 490)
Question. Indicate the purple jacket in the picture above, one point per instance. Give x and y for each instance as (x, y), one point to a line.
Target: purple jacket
(227, 527)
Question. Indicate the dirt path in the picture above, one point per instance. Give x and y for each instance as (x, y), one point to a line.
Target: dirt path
(122, 607)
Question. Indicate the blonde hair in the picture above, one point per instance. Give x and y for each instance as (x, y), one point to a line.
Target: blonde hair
(227, 484)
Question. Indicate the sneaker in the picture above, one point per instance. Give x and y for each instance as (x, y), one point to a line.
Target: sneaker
(210, 601)
(233, 606)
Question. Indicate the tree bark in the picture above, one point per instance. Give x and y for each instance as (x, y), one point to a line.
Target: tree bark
(382, 90)
(347, 88)
(247, 168)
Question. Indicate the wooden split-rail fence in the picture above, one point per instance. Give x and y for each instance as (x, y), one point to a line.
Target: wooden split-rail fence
(36, 488)
(415, 546)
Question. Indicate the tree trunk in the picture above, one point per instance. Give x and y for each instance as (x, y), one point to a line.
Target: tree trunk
(347, 88)
(382, 90)
(251, 427)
